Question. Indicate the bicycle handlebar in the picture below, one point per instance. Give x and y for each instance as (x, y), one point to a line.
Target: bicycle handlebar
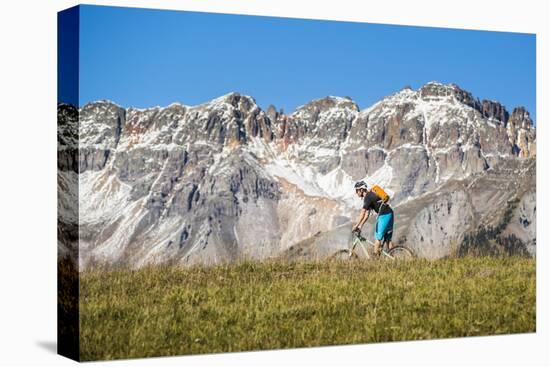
(358, 235)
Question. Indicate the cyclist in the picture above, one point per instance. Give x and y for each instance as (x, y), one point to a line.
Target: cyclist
(384, 222)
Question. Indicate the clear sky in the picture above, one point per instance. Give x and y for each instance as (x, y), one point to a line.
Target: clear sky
(144, 58)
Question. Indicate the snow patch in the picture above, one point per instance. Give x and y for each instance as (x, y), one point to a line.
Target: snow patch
(101, 196)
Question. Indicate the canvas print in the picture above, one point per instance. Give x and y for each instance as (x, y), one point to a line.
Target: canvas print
(241, 183)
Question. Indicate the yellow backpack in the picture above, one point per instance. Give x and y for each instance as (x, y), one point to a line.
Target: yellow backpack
(380, 193)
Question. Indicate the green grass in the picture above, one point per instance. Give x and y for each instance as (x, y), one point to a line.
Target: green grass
(251, 306)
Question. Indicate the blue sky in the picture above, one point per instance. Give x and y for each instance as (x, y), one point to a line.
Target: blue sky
(144, 58)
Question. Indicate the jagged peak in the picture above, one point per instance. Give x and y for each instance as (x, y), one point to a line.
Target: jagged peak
(438, 84)
(432, 90)
(231, 98)
(494, 109)
(520, 110)
(434, 83)
(329, 102)
(109, 103)
(438, 89)
(62, 106)
(406, 92)
(521, 117)
(101, 102)
(171, 106)
(435, 91)
(339, 99)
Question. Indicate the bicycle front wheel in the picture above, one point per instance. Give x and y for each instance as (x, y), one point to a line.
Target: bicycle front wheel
(344, 255)
(400, 253)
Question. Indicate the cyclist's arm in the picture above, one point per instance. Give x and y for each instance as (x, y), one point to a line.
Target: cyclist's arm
(366, 216)
(363, 217)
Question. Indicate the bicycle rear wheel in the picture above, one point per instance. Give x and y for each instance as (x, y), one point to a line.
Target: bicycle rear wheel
(400, 253)
(343, 255)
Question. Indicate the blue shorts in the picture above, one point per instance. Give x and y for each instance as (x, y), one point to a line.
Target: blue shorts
(384, 227)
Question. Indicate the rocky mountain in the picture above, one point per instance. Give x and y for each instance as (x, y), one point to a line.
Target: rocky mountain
(225, 180)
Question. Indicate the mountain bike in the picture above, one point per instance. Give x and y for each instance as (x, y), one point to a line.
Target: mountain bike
(397, 252)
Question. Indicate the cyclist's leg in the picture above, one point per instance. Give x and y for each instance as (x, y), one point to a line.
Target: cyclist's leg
(389, 233)
(378, 236)
(377, 247)
(384, 223)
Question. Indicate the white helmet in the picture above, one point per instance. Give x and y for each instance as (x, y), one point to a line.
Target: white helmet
(361, 185)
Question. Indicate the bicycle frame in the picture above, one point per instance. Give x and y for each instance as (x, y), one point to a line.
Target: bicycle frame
(359, 240)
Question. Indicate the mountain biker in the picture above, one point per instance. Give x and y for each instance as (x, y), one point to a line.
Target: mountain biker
(384, 222)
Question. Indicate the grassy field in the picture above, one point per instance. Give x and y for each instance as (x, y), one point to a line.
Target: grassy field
(251, 306)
